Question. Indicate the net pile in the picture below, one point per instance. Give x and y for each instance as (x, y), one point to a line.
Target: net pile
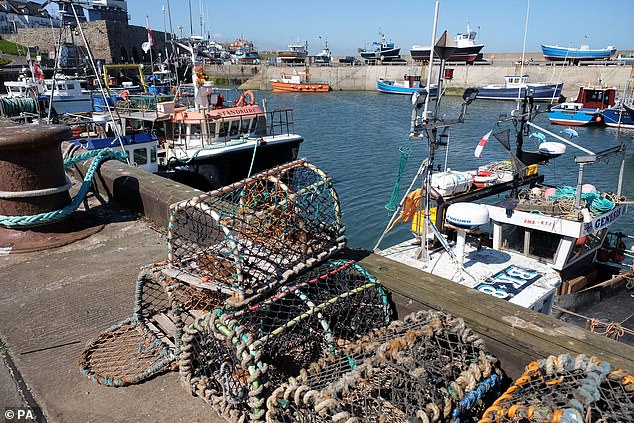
(427, 367)
(235, 359)
(567, 389)
(251, 236)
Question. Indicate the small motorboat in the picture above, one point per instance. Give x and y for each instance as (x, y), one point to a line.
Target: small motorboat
(556, 53)
(587, 109)
(515, 87)
(298, 82)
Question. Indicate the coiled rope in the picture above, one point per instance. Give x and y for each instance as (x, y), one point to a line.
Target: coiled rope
(100, 156)
(406, 152)
(597, 204)
(14, 106)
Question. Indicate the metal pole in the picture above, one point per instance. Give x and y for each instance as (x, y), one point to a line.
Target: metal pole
(431, 59)
(579, 185)
(191, 23)
(621, 171)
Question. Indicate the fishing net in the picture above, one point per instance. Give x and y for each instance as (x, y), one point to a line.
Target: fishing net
(567, 389)
(235, 359)
(149, 342)
(427, 367)
(250, 236)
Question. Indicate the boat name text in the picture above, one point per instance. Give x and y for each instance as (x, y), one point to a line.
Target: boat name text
(509, 282)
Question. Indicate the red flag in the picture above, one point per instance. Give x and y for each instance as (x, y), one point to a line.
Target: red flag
(149, 31)
(480, 147)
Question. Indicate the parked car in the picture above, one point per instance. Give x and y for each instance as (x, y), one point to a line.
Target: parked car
(350, 60)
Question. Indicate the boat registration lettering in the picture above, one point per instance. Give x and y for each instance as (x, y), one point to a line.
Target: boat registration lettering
(509, 282)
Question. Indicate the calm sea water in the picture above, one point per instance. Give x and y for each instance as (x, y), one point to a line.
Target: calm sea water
(355, 138)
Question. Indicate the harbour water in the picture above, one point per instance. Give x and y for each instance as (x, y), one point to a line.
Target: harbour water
(355, 137)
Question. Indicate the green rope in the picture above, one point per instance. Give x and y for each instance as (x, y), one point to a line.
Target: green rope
(49, 217)
(13, 106)
(596, 203)
(406, 151)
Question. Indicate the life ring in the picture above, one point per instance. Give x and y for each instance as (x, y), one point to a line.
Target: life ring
(125, 94)
(485, 178)
(242, 100)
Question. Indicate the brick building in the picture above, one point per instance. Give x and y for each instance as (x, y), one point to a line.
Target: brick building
(112, 42)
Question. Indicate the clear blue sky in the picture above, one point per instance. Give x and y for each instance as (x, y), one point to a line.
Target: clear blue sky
(351, 24)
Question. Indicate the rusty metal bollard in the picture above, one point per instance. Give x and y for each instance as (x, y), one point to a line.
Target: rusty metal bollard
(32, 169)
(33, 181)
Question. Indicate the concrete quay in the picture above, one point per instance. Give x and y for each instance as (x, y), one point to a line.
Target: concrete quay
(53, 302)
(363, 77)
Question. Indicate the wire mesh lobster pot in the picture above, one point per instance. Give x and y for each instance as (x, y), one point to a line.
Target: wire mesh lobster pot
(247, 237)
(567, 389)
(428, 367)
(235, 359)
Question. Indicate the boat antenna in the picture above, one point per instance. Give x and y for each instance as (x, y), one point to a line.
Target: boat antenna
(431, 60)
(519, 89)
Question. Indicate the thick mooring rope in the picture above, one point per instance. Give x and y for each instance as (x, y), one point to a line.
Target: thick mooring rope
(10, 107)
(99, 156)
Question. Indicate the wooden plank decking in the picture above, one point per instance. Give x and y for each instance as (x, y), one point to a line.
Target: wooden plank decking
(516, 335)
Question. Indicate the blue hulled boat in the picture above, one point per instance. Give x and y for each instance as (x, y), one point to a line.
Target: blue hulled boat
(410, 85)
(577, 54)
(586, 110)
(618, 117)
(515, 87)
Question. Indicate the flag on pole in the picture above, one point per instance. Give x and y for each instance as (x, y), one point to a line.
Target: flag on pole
(480, 147)
(146, 46)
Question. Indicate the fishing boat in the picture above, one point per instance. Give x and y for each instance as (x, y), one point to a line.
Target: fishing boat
(515, 87)
(295, 55)
(570, 54)
(409, 85)
(246, 55)
(298, 83)
(618, 117)
(384, 51)
(467, 50)
(587, 109)
(213, 141)
(324, 56)
(542, 237)
(68, 95)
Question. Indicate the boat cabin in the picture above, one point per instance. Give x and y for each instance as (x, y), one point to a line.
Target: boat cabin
(596, 97)
(141, 146)
(558, 242)
(515, 81)
(571, 106)
(294, 78)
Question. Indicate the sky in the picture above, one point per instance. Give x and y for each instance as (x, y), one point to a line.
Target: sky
(349, 25)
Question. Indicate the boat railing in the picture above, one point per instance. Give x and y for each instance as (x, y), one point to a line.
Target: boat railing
(280, 122)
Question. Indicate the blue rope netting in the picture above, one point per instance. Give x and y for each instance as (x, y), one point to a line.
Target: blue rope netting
(406, 152)
(596, 203)
(100, 156)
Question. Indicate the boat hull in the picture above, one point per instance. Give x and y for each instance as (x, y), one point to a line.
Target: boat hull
(283, 87)
(62, 106)
(461, 54)
(540, 92)
(618, 118)
(555, 53)
(381, 54)
(629, 110)
(390, 87)
(218, 170)
(582, 117)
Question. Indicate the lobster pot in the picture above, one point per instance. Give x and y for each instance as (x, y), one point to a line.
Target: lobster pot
(248, 236)
(235, 360)
(428, 367)
(567, 388)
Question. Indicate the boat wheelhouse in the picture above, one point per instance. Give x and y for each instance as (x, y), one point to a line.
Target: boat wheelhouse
(295, 55)
(586, 109)
(515, 87)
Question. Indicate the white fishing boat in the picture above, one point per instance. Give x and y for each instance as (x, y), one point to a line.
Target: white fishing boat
(214, 141)
(523, 248)
(67, 94)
